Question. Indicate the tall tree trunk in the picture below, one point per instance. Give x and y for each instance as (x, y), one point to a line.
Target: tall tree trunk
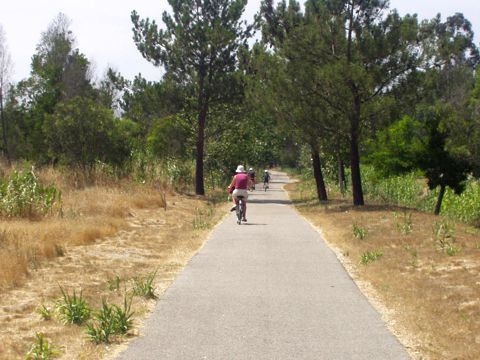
(354, 152)
(317, 173)
(342, 181)
(199, 179)
(354, 118)
(438, 205)
(4, 128)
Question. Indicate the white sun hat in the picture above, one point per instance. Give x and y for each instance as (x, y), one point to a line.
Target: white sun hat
(240, 169)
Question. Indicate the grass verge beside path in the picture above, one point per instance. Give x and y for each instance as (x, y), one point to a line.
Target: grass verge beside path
(150, 243)
(419, 270)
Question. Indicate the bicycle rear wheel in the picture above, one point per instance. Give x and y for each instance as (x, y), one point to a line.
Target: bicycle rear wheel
(239, 211)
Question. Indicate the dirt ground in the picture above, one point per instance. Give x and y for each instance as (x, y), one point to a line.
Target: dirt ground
(425, 282)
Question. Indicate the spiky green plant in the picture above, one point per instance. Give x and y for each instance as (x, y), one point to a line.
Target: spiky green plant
(145, 286)
(404, 222)
(73, 309)
(45, 312)
(42, 349)
(359, 232)
(371, 256)
(110, 320)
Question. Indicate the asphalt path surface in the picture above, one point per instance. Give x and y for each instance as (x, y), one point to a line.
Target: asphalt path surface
(269, 289)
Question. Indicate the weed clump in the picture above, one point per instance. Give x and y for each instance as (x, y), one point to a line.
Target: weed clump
(22, 195)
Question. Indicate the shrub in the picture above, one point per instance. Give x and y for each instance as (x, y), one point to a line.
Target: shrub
(73, 309)
(466, 206)
(110, 320)
(403, 189)
(22, 195)
(410, 190)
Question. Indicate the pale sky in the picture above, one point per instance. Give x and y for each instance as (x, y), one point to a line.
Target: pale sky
(103, 32)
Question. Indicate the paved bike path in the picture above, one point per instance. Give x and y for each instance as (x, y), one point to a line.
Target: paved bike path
(267, 290)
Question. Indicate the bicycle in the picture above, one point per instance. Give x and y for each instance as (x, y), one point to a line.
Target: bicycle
(239, 209)
(266, 180)
(251, 187)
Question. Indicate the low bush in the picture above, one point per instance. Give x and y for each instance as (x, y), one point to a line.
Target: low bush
(110, 320)
(410, 190)
(73, 309)
(22, 195)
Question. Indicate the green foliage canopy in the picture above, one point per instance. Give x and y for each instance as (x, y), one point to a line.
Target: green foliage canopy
(81, 132)
(198, 48)
(396, 150)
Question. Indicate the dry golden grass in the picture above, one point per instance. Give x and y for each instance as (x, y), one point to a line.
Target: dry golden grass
(430, 299)
(107, 234)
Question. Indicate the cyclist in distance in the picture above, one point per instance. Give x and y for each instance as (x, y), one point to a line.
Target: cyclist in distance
(266, 179)
(251, 175)
(240, 184)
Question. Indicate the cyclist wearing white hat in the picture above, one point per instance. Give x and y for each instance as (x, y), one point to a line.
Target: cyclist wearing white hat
(239, 187)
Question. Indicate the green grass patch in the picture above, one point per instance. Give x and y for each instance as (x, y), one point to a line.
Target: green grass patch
(371, 256)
